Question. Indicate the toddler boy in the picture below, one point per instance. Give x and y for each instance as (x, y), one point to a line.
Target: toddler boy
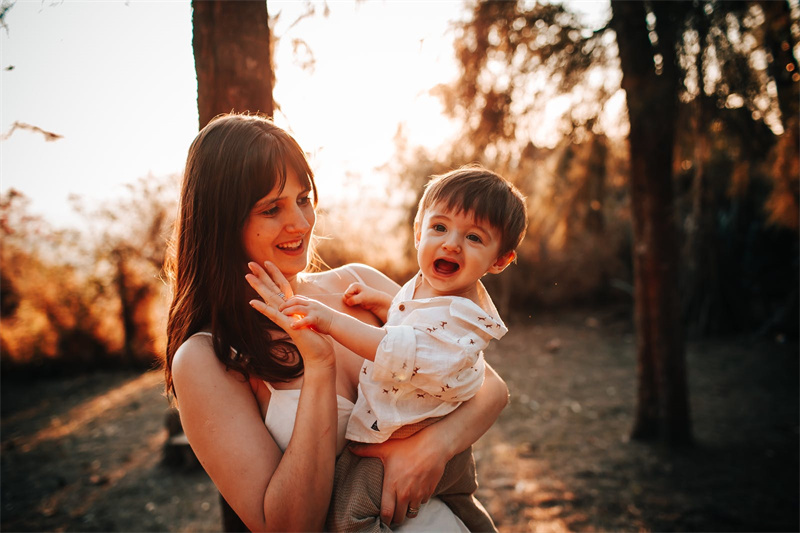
(428, 356)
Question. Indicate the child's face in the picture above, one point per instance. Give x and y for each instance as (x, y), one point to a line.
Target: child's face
(454, 251)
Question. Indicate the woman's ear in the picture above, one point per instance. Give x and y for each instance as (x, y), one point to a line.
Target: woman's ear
(502, 262)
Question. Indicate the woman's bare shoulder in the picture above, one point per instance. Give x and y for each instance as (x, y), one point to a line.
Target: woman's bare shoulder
(195, 361)
(369, 275)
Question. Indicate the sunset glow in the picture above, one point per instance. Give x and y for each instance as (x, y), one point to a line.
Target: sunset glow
(126, 105)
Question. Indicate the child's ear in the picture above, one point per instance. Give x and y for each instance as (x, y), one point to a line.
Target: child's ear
(417, 235)
(502, 262)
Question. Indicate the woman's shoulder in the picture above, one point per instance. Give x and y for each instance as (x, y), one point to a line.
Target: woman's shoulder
(350, 273)
(196, 359)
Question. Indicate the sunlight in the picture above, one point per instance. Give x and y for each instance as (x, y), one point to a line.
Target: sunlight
(81, 415)
(346, 110)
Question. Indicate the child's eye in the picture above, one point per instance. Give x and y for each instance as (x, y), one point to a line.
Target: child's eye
(304, 200)
(439, 227)
(474, 238)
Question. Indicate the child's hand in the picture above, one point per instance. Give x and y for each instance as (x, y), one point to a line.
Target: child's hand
(273, 288)
(309, 313)
(378, 302)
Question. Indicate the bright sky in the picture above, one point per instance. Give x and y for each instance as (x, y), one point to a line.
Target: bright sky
(117, 80)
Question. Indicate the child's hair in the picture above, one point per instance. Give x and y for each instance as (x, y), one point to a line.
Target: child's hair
(487, 196)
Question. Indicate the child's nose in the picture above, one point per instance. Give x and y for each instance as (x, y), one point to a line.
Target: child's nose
(452, 244)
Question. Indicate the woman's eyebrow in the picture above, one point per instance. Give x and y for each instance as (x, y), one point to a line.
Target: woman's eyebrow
(266, 201)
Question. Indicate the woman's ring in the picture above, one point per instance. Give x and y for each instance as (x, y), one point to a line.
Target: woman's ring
(412, 512)
(283, 296)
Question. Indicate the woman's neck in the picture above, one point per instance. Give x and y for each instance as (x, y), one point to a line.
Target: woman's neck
(301, 282)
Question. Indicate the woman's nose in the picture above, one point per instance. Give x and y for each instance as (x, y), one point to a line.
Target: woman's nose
(298, 223)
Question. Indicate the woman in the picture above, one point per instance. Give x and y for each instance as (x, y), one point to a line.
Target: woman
(265, 410)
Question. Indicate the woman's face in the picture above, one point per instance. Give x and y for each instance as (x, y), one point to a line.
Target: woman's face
(278, 228)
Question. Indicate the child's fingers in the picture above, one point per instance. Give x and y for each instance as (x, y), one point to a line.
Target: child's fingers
(304, 322)
(353, 295)
(294, 300)
(290, 309)
(271, 313)
(354, 288)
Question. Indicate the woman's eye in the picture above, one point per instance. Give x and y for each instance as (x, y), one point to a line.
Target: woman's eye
(474, 238)
(304, 200)
(439, 227)
(271, 212)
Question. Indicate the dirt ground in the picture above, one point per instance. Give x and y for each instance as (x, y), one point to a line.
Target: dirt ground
(84, 453)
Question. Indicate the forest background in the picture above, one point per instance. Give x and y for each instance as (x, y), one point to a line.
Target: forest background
(73, 300)
(77, 301)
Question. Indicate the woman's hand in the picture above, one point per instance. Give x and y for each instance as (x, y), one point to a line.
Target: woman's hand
(378, 302)
(412, 468)
(272, 286)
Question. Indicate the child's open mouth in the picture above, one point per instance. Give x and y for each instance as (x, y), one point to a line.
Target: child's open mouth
(444, 267)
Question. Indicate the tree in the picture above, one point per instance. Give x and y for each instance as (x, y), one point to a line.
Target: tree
(650, 79)
(232, 54)
(127, 240)
(712, 97)
(233, 60)
(53, 315)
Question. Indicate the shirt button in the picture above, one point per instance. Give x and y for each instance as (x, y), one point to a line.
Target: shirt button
(402, 307)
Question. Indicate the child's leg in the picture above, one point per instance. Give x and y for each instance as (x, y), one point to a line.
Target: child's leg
(456, 489)
(357, 485)
(356, 500)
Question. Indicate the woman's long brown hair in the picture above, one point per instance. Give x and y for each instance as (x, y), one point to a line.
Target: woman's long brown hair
(233, 162)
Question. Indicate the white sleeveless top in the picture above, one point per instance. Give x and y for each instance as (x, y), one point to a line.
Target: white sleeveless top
(282, 412)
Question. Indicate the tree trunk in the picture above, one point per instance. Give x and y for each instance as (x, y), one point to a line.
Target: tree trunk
(232, 57)
(126, 308)
(662, 411)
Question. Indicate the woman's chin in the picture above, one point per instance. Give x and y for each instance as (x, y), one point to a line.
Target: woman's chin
(291, 264)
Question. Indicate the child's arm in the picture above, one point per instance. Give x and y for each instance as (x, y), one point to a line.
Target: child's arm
(363, 339)
(378, 302)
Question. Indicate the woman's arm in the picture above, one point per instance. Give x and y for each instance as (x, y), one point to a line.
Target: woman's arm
(414, 466)
(269, 490)
(220, 416)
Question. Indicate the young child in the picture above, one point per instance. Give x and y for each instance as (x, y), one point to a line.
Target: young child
(428, 357)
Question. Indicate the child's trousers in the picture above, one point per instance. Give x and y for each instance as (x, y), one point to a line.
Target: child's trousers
(357, 487)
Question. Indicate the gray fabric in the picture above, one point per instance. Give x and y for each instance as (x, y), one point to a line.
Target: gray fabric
(358, 482)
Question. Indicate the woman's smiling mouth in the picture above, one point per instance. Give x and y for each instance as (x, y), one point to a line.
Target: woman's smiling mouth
(291, 246)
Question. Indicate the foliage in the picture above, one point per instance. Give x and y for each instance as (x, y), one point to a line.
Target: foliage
(537, 97)
(128, 243)
(528, 68)
(75, 300)
(50, 305)
(521, 62)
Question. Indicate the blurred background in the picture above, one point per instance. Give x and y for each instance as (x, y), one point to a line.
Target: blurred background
(99, 105)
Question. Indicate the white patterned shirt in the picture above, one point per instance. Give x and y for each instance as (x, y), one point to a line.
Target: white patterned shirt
(430, 361)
